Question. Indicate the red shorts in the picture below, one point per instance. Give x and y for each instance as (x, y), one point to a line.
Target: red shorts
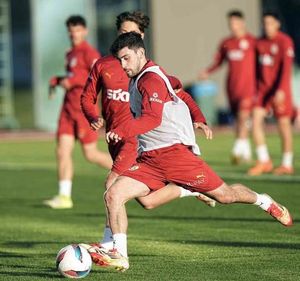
(124, 154)
(176, 164)
(77, 126)
(281, 104)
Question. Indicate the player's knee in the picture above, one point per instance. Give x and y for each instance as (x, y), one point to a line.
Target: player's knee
(111, 196)
(90, 156)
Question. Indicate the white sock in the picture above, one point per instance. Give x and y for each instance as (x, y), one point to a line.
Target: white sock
(107, 241)
(246, 149)
(185, 193)
(262, 153)
(287, 159)
(237, 147)
(120, 243)
(65, 188)
(263, 201)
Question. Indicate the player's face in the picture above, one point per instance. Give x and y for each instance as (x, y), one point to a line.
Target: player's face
(237, 26)
(271, 26)
(77, 34)
(131, 60)
(130, 26)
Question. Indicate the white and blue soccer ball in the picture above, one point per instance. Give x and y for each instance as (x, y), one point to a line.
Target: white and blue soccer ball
(73, 261)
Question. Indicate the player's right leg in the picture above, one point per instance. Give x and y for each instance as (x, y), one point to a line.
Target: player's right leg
(264, 163)
(241, 152)
(64, 149)
(121, 191)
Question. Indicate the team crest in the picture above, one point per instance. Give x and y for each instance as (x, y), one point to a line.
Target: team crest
(244, 44)
(73, 62)
(274, 49)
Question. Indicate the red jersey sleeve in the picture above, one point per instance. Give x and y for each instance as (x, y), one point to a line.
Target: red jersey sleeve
(152, 107)
(90, 92)
(218, 59)
(91, 57)
(195, 111)
(286, 64)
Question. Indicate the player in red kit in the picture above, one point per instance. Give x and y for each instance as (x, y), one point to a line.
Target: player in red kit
(238, 51)
(108, 77)
(275, 52)
(168, 151)
(72, 123)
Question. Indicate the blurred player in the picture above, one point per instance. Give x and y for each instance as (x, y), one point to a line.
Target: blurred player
(239, 51)
(108, 77)
(168, 151)
(72, 123)
(275, 58)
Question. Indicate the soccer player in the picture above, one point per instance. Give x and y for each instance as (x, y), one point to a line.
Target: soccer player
(72, 123)
(108, 77)
(168, 151)
(238, 50)
(275, 58)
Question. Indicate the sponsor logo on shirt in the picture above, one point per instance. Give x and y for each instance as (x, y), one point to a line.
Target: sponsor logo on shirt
(244, 44)
(274, 49)
(235, 55)
(266, 59)
(118, 95)
(154, 98)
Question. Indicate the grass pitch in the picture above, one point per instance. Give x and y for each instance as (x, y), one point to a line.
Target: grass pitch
(184, 240)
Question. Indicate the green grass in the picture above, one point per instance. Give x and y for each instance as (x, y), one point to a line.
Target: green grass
(184, 240)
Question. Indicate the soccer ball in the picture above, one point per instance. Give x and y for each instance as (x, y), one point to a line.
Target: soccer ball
(73, 261)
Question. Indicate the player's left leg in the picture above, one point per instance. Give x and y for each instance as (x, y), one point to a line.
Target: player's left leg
(94, 155)
(238, 193)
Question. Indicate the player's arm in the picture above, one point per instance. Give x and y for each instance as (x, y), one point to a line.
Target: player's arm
(154, 94)
(198, 118)
(217, 62)
(286, 64)
(89, 97)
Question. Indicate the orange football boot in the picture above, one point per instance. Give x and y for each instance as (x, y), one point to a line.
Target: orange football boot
(261, 168)
(282, 170)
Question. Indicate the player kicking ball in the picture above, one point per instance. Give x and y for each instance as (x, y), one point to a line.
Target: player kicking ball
(168, 153)
(108, 78)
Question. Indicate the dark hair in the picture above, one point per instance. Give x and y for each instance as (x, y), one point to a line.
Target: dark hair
(271, 14)
(235, 13)
(75, 20)
(137, 17)
(132, 40)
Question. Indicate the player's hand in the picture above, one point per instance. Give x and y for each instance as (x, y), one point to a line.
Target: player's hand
(65, 83)
(207, 131)
(51, 92)
(98, 124)
(111, 136)
(203, 75)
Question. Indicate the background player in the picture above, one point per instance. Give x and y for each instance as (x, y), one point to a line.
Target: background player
(165, 133)
(275, 59)
(72, 123)
(108, 77)
(239, 51)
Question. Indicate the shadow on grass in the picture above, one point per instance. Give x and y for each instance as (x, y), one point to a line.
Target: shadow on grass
(30, 244)
(240, 244)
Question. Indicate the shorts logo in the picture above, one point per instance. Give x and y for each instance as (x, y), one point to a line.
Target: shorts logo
(154, 98)
(118, 95)
(134, 168)
(200, 180)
